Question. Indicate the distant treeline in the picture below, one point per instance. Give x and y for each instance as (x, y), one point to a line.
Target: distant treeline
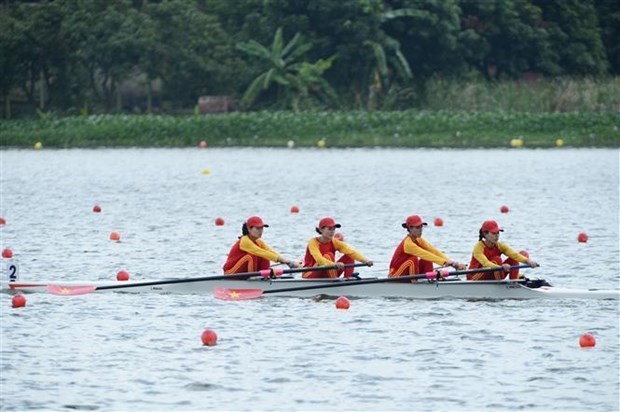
(96, 56)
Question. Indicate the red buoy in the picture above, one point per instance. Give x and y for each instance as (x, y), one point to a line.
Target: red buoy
(122, 275)
(7, 253)
(2, 221)
(339, 236)
(115, 236)
(343, 303)
(504, 209)
(582, 237)
(18, 301)
(219, 221)
(208, 338)
(587, 340)
(97, 209)
(438, 221)
(294, 209)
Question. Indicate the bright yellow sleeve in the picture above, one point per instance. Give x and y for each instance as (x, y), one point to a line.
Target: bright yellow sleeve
(479, 255)
(511, 253)
(431, 255)
(433, 250)
(259, 249)
(344, 248)
(313, 247)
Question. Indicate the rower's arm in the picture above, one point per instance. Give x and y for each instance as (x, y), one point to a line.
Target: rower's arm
(259, 249)
(511, 253)
(411, 248)
(344, 247)
(434, 251)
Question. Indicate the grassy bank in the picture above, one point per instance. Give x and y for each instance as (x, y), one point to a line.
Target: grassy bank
(338, 129)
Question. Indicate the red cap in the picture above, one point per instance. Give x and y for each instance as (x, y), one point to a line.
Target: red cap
(255, 221)
(491, 226)
(414, 220)
(328, 221)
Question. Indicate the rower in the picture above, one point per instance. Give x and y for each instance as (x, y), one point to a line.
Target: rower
(415, 254)
(488, 253)
(321, 251)
(250, 253)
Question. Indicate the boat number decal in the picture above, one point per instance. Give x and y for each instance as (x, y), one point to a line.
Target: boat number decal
(12, 271)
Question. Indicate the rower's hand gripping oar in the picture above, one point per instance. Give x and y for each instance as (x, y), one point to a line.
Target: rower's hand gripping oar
(65, 290)
(244, 294)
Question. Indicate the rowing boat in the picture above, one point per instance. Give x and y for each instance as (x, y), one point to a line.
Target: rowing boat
(364, 287)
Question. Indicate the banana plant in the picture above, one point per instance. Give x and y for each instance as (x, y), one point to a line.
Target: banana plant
(286, 69)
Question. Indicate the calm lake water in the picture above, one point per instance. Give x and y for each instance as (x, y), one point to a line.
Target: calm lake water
(122, 352)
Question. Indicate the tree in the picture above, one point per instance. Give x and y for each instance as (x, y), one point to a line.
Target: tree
(608, 12)
(194, 55)
(107, 42)
(12, 62)
(284, 69)
(575, 36)
(507, 38)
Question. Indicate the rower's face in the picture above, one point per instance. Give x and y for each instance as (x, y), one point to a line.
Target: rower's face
(415, 231)
(256, 231)
(492, 237)
(328, 231)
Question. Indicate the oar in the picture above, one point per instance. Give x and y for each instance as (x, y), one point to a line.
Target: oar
(82, 290)
(243, 294)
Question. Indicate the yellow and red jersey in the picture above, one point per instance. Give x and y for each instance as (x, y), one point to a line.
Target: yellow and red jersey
(246, 246)
(418, 249)
(483, 255)
(324, 254)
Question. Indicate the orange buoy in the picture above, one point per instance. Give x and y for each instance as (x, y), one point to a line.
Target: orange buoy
(18, 301)
(7, 253)
(115, 236)
(587, 340)
(97, 209)
(339, 236)
(208, 338)
(202, 144)
(438, 221)
(582, 237)
(504, 209)
(343, 303)
(294, 209)
(122, 275)
(219, 221)
(2, 221)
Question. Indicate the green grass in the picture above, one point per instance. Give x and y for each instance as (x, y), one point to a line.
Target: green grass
(534, 96)
(441, 128)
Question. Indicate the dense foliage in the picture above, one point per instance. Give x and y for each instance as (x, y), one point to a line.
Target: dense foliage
(94, 56)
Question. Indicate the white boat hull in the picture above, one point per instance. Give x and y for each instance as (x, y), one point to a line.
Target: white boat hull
(369, 287)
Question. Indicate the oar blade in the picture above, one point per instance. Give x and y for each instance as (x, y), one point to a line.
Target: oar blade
(70, 290)
(236, 294)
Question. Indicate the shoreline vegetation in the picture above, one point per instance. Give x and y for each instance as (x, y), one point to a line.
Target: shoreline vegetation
(409, 128)
(580, 112)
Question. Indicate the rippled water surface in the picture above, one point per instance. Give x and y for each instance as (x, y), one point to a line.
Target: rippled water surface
(143, 352)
